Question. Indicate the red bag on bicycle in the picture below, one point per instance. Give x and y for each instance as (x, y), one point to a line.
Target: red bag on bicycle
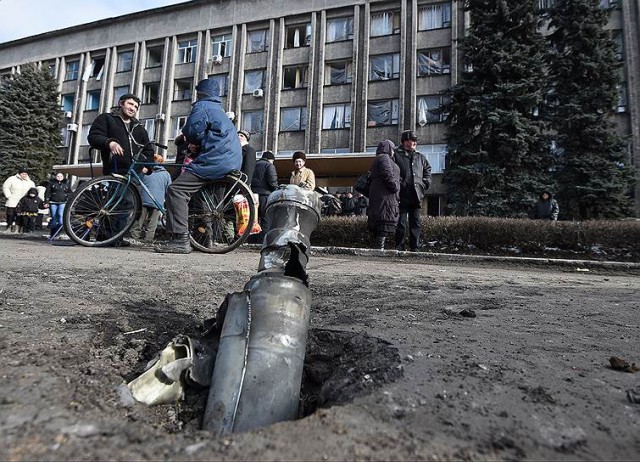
(241, 204)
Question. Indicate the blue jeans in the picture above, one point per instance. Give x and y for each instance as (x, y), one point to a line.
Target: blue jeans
(57, 211)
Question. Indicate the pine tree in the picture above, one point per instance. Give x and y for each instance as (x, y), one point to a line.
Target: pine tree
(498, 160)
(29, 123)
(592, 174)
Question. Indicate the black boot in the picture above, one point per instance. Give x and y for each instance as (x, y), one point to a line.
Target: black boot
(179, 243)
(380, 240)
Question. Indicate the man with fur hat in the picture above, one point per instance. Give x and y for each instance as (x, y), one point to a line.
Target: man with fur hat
(209, 128)
(15, 188)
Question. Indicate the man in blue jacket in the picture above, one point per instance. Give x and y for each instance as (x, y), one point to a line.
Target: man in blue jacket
(219, 152)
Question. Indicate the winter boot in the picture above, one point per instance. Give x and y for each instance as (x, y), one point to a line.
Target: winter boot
(179, 243)
(380, 240)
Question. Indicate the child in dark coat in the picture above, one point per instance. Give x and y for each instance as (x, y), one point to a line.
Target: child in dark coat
(27, 210)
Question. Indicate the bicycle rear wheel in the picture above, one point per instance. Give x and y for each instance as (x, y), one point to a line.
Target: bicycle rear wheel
(221, 215)
(101, 211)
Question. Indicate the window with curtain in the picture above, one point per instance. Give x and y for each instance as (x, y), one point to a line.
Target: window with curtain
(178, 123)
(125, 61)
(618, 39)
(384, 67)
(339, 29)
(293, 119)
(338, 72)
(84, 135)
(72, 70)
(382, 113)
(222, 80)
(221, 45)
(66, 102)
(384, 23)
(253, 80)
(151, 93)
(118, 92)
(336, 116)
(429, 109)
(436, 154)
(93, 100)
(257, 41)
(295, 77)
(298, 35)
(150, 127)
(154, 56)
(622, 97)
(182, 89)
(434, 16)
(434, 61)
(253, 121)
(187, 51)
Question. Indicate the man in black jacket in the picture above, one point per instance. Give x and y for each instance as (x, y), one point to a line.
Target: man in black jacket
(119, 136)
(264, 182)
(248, 155)
(415, 179)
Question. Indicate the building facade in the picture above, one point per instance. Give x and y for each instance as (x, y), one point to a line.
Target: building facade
(329, 78)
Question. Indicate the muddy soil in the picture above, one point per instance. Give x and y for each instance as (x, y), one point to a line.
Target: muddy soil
(527, 378)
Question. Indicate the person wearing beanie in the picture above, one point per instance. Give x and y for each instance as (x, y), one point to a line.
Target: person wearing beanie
(15, 188)
(264, 182)
(301, 175)
(248, 155)
(27, 210)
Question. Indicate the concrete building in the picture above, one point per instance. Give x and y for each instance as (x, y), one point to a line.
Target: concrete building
(331, 78)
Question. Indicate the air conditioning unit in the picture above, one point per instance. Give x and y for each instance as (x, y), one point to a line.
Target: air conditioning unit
(68, 114)
(216, 59)
(161, 116)
(258, 93)
(72, 127)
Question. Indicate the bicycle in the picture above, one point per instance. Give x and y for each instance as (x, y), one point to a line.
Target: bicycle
(101, 211)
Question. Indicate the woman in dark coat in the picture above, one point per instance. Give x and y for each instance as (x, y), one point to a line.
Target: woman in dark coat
(384, 194)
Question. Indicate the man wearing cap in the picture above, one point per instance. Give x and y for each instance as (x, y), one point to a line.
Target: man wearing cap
(415, 179)
(15, 188)
(209, 128)
(248, 155)
(119, 135)
(264, 182)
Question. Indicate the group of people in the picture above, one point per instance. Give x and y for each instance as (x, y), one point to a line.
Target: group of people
(343, 203)
(400, 177)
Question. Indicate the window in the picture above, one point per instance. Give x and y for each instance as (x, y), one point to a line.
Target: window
(338, 73)
(98, 68)
(118, 92)
(72, 70)
(253, 80)
(221, 45)
(619, 43)
(66, 102)
(125, 61)
(151, 93)
(93, 100)
(222, 80)
(434, 16)
(336, 116)
(295, 77)
(257, 41)
(179, 123)
(182, 89)
(298, 36)
(150, 127)
(436, 155)
(429, 111)
(544, 5)
(606, 4)
(385, 23)
(339, 29)
(382, 113)
(335, 151)
(154, 56)
(187, 51)
(65, 137)
(51, 69)
(293, 119)
(84, 135)
(253, 121)
(434, 61)
(622, 97)
(384, 67)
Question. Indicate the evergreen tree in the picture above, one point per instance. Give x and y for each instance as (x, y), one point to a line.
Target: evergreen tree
(593, 178)
(498, 161)
(29, 123)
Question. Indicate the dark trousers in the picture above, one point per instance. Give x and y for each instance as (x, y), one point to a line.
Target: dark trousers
(413, 216)
(177, 201)
(11, 216)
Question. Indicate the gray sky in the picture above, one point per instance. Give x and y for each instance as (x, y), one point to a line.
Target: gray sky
(22, 18)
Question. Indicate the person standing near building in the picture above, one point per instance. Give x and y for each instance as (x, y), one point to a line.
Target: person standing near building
(15, 188)
(248, 155)
(415, 179)
(56, 195)
(383, 211)
(301, 175)
(27, 210)
(119, 135)
(264, 182)
(209, 128)
(546, 208)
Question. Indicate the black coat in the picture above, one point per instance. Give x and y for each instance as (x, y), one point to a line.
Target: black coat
(248, 162)
(110, 127)
(30, 205)
(57, 191)
(415, 177)
(383, 208)
(265, 178)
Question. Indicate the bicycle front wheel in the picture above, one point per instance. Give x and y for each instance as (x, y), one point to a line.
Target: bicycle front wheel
(222, 215)
(101, 211)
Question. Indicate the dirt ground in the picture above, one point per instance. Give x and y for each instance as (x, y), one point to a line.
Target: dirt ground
(527, 378)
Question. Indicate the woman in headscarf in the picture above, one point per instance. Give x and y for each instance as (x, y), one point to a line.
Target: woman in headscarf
(384, 194)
